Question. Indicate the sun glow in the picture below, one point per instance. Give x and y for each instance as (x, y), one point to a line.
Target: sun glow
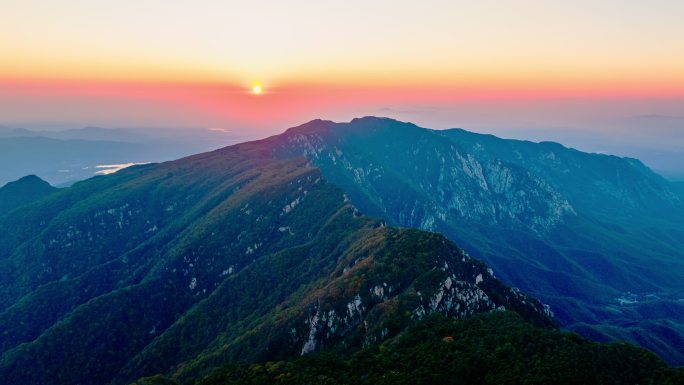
(257, 89)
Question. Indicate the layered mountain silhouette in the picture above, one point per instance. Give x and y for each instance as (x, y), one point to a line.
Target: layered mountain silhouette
(599, 238)
(254, 264)
(64, 157)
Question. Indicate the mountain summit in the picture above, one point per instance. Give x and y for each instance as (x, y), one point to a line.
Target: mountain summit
(23, 191)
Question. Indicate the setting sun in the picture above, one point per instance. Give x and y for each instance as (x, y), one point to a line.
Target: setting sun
(257, 89)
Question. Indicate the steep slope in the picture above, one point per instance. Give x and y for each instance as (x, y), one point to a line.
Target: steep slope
(495, 348)
(611, 188)
(400, 170)
(23, 191)
(597, 237)
(377, 286)
(230, 255)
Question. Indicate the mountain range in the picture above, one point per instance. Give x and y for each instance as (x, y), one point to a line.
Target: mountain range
(64, 157)
(257, 263)
(597, 237)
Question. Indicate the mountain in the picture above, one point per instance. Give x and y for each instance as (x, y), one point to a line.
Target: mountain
(6, 132)
(599, 238)
(123, 135)
(243, 265)
(618, 187)
(21, 192)
(62, 161)
(228, 256)
(656, 140)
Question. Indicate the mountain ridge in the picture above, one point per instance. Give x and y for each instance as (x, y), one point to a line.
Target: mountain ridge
(221, 254)
(186, 270)
(577, 230)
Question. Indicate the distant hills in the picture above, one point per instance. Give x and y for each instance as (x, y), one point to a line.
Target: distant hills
(64, 157)
(656, 140)
(86, 133)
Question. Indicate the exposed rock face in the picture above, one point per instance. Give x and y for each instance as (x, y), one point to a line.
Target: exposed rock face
(365, 302)
(576, 230)
(251, 253)
(445, 182)
(458, 174)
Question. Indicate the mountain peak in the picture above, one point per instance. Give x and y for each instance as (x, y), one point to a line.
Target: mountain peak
(374, 119)
(23, 191)
(381, 122)
(318, 126)
(32, 180)
(312, 127)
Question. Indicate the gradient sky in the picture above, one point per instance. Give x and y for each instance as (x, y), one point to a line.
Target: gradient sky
(495, 66)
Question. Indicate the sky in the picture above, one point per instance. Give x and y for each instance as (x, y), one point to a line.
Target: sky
(576, 71)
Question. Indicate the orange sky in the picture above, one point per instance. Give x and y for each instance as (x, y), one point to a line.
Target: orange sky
(160, 63)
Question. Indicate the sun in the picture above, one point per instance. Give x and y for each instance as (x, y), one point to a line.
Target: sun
(257, 89)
